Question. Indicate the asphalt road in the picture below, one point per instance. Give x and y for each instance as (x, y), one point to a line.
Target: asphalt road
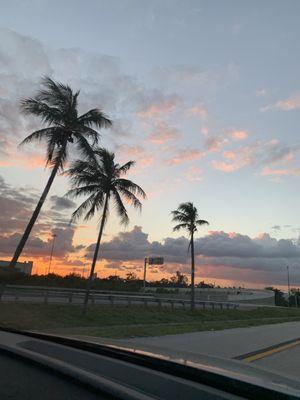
(286, 361)
(232, 343)
(228, 343)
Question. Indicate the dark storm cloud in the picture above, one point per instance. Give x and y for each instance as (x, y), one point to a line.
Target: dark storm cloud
(61, 203)
(215, 249)
(16, 206)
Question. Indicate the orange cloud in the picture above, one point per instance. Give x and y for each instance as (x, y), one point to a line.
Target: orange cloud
(239, 135)
(28, 161)
(34, 162)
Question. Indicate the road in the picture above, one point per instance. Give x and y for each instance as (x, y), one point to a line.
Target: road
(286, 361)
(232, 343)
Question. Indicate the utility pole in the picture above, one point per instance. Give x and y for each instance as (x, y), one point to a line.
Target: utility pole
(289, 288)
(51, 254)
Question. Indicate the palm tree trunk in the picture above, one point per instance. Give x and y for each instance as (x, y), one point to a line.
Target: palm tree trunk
(33, 218)
(192, 273)
(89, 282)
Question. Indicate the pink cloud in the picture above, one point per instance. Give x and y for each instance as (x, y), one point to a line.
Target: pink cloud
(29, 161)
(239, 135)
(197, 110)
(223, 166)
(267, 171)
(163, 133)
(137, 153)
(159, 106)
(236, 159)
(231, 155)
(35, 162)
(194, 174)
(185, 155)
(205, 130)
(290, 103)
(214, 144)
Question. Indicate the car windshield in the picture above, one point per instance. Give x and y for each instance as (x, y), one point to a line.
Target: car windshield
(149, 169)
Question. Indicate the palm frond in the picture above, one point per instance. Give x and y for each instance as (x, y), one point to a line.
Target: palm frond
(87, 205)
(201, 222)
(82, 191)
(180, 226)
(49, 115)
(178, 216)
(84, 146)
(123, 169)
(57, 94)
(95, 117)
(96, 206)
(122, 183)
(41, 134)
(129, 196)
(121, 210)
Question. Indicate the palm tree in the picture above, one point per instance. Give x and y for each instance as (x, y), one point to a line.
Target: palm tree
(56, 105)
(99, 178)
(188, 218)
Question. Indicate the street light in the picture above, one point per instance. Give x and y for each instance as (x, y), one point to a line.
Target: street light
(51, 254)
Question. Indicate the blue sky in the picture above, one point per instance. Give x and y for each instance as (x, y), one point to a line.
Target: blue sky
(205, 96)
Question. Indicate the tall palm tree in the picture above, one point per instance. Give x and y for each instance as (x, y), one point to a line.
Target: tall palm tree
(56, 105)
(100, 179)
(188, 218)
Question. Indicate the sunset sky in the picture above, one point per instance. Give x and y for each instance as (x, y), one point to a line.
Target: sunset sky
(204, 95)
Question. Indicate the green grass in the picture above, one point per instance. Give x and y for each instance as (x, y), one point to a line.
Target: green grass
(118, 322)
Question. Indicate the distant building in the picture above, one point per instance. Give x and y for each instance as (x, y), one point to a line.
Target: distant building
(24, 267)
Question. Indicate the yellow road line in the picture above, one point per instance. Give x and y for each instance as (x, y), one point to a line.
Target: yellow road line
(266, 353)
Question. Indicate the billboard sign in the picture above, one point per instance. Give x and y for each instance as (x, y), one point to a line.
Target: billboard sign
(155, 260)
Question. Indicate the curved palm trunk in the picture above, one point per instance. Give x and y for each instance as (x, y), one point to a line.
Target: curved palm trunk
(33, 218)
(89, 282)
(192, 273)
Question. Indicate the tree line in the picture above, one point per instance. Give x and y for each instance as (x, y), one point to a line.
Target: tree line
(131, 282)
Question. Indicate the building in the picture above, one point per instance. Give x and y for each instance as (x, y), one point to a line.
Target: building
(24, 267)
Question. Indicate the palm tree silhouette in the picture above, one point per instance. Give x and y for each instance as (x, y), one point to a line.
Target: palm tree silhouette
(56, 105)
(99, 178)
(187, 216)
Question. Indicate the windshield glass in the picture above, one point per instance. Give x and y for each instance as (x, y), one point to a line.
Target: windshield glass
(149, 168)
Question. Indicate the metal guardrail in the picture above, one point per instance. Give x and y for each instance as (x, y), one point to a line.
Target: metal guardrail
(76, 290)
(75, 296)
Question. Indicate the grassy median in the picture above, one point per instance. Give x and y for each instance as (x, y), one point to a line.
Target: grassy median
(120, 322)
